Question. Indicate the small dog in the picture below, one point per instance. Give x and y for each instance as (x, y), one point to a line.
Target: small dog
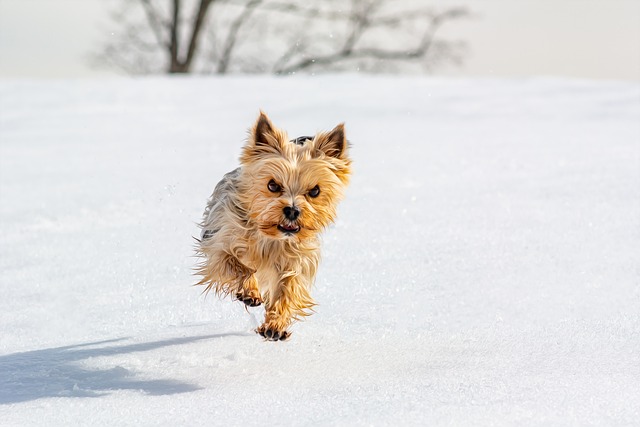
(260, 229)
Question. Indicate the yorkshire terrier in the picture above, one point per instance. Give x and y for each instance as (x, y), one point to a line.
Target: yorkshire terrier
(260, 230)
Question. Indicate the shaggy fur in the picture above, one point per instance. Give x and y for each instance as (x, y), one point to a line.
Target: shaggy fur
(254, 246)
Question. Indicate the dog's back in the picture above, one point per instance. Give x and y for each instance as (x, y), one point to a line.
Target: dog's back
(215, 206)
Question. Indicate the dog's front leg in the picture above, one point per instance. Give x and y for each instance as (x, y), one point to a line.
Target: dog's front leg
(290, 301)
(249, 292)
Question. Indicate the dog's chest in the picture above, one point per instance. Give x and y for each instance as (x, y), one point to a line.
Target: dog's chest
(274, 261)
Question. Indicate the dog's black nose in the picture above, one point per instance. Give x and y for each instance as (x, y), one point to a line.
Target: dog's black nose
(291, 212)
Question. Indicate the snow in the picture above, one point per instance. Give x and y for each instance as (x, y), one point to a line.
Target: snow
(483, 271)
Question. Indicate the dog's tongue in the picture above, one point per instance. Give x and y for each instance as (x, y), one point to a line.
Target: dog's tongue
(289, 227)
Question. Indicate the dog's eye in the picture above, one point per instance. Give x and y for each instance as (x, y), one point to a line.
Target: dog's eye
(314, 192)
(273, 187)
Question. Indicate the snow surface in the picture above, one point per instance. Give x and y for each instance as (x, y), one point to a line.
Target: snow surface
(484, 269)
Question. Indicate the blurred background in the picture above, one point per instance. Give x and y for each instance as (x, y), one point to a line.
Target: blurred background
(595, 39)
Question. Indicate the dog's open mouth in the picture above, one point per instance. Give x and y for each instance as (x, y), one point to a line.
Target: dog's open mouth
(288, 228)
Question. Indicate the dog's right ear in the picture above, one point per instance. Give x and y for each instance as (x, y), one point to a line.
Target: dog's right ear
(264, 138)
(263, 130)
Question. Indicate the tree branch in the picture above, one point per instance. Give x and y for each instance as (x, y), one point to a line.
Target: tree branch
(316, 13)
(349, 51)
(195, 32)
(153, 18)
(295, 48)
(174, 66)
(232, 35)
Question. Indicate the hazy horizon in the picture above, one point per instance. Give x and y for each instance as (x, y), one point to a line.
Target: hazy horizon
(574, 38)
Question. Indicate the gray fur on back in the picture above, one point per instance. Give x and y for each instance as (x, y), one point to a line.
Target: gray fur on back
(217, 201)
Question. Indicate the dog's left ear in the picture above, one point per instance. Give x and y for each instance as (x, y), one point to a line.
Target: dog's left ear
(333, 143)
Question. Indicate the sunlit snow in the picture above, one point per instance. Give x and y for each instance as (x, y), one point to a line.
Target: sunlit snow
(484, 269)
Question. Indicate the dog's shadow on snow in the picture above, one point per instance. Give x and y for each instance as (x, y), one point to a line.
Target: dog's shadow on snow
(56, 372)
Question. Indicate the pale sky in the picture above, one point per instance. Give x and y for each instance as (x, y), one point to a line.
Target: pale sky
(574, 38)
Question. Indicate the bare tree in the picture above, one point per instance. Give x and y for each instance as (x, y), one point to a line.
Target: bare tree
(278, 36)
(363, 19)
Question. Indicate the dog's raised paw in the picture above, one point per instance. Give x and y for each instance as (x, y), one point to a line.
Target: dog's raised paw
(251, 301)
(273, 334)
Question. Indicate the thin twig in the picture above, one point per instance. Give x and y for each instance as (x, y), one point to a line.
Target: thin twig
(232, 35)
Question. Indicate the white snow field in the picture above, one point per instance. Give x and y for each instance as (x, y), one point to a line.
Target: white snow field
(484, 269)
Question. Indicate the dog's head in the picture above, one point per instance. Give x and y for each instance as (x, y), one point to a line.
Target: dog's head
(291, 189)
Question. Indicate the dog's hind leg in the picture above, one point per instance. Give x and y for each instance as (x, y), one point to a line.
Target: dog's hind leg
(226, 275)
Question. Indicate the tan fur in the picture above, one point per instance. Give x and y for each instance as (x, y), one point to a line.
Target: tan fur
(245, 254)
